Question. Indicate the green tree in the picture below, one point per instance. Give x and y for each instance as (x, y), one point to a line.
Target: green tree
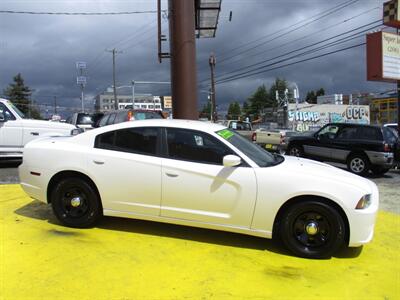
(206, 111)
(259, 100)
(311, 96)
(19, 94)
(245, 108)
(234, 110)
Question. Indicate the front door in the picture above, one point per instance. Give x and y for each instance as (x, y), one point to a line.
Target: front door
(197, 187)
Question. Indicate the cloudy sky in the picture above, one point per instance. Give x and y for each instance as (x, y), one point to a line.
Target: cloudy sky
(44, 48)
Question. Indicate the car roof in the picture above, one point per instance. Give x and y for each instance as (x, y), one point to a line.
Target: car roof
(355, 124)
(185, 124)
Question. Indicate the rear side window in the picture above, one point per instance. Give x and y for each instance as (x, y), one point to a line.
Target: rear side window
(369, 133)
(104, 120)
(190, 145)
(121, 117)
(137, 140)
(111, 119)
(347, 133)
(132, 140)
(105, 141)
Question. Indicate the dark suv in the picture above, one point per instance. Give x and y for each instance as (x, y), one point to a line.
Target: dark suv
(125, 115)
(361, 147)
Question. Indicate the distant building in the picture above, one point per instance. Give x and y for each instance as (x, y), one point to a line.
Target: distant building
(384, 109)
(330, 99)
(105, 102)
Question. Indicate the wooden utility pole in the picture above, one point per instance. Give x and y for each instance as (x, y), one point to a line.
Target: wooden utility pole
(114, 51)
(183, 59)
(212, 62)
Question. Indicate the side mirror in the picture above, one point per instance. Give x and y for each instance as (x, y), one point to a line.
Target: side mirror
(2, 118)
(231, 161)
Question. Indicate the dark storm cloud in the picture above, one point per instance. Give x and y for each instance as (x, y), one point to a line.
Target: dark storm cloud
(45, 48)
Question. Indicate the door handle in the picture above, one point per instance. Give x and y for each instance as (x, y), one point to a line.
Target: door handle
(34, 133)
(171, 175)
(98, 162)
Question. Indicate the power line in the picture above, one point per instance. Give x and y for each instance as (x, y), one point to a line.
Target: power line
(317, 17)
(299, 49)
(307, 35)
(78, 13)
(290, 64)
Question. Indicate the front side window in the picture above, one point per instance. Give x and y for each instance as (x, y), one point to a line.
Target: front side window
(7, 114)
(328, 132)
(195, 146)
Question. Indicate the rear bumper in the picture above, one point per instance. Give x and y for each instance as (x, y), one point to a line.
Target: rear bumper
(383, 159)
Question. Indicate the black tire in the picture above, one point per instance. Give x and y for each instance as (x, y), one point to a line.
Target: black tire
(75, 203)
(295, 150)
(312, 229)
(358, 164)
(379, 170)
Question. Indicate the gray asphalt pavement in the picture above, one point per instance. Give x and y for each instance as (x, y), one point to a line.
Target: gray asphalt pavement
(389, 185)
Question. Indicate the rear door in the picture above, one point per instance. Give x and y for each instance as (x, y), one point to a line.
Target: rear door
(197, 187)
(126, 166)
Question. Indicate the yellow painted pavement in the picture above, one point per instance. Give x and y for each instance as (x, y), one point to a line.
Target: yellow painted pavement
(130, 259)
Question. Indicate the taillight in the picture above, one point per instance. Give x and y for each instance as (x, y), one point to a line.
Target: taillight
(254, 137)
(387, 148)
(282, 139)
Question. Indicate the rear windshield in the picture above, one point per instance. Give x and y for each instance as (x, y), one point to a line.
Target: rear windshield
(144, 115)
(84, 119)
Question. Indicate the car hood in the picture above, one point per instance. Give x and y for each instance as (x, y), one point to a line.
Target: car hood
(302, 166)
(46, 124)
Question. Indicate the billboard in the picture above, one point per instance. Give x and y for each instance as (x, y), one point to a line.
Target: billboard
(314, 116)
(383, 57)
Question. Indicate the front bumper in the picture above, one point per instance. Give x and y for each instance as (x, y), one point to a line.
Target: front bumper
(362, 221)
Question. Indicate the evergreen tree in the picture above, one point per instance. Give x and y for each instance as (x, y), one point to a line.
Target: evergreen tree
(259, 100)
(234, 111)
(18, 93)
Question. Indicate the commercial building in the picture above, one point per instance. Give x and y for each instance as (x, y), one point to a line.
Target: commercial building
(384, 109)
(105, 101)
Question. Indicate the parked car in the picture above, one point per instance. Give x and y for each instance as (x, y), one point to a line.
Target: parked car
(125, 115)
(204, 175)
(273, 140)
(244, 128)
(16, 130)
(361, 147)
(85, 121)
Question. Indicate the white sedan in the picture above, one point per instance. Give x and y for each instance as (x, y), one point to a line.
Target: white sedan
(204, 175)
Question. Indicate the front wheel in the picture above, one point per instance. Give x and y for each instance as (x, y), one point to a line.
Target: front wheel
(76, 203)
(312, 229)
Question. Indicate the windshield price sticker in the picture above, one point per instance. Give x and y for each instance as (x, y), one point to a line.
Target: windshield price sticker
(225, 133)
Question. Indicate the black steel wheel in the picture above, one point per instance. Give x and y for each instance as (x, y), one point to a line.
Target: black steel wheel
(75, 203)
(358, 164)
(295, 150)
(312, 229)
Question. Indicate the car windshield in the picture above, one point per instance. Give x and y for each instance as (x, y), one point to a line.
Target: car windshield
(257, 154)
(20, 113)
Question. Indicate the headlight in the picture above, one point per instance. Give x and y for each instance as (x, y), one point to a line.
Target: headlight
(364, 202)
(76, 131)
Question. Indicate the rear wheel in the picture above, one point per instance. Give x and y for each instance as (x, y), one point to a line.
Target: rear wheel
(296, 150)
(312, 229)
(358, 164)
(75, 203)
